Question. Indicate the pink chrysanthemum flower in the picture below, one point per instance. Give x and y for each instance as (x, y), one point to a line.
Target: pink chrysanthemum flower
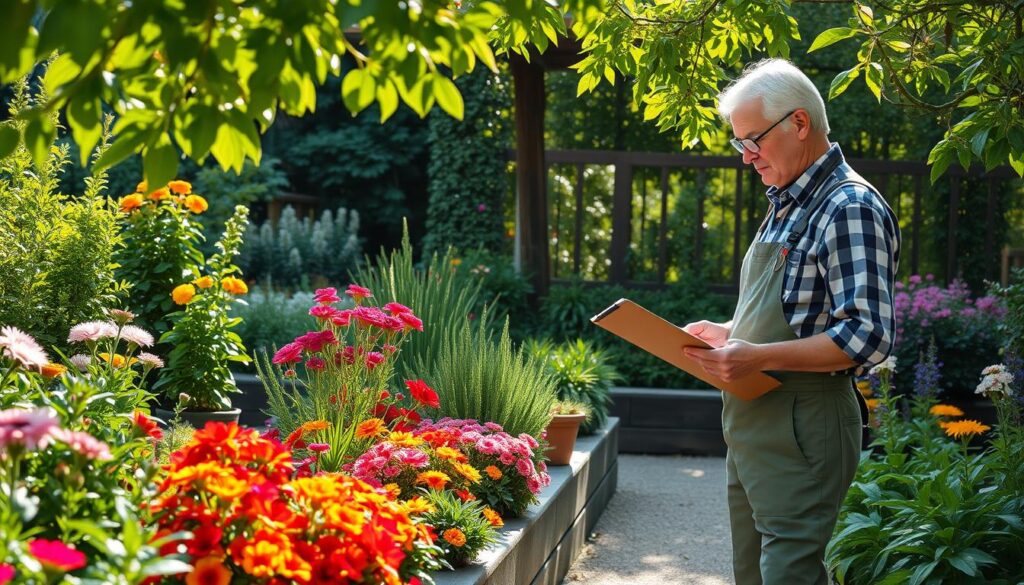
(81, 361)
(326, 296)
(30, 428)
(56, 554)
(83, 443)
(92, 331)
(150, 360)
(137, 335)
(20, 347)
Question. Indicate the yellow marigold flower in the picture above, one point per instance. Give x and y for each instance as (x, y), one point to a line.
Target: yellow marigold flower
(455, 537)
(117, 360)
(493, 472)
(873, 403)
(373, 427)
(456, 261)
(945, 410)
(403, 439)
(51, 371)
(450, 454)
(433, 479)
(183, 294)
(196, 204)
(142, 187)
(180, 187)
(204, 282)
(235, 286)
(493, 517)
(161, 193)
(467, 471)
(419, 505)
(226, 487)
(393, 490)
(943, 424)
(315, 425)
(965, 428)
(130, 203)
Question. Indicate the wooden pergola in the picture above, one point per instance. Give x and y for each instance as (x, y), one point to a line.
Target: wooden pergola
(531, 168)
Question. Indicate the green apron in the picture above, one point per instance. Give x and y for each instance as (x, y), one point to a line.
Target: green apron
(793, 452)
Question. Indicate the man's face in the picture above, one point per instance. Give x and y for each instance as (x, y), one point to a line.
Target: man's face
(778, 159)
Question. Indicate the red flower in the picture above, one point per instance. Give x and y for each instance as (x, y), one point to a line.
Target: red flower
(56, 554)
(323, 312)
(326, 296)
(316, 364)
(373, 358)
(316, 340)
(209, 571)
(397, 308)
(147, 426)
(411, 321)
(371, 317)
(358, 293)
(6, 574)
(422, 393)
(289, 354)
(341, 318)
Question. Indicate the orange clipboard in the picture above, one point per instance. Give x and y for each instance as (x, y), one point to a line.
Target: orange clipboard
(658, 337)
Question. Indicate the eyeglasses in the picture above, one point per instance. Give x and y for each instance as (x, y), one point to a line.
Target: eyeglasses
(750, 144)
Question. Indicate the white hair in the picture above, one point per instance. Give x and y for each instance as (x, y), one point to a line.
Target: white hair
(781, 87)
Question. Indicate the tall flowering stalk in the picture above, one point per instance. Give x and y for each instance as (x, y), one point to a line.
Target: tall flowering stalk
(888, 404)
(997, 384)
(339, 374)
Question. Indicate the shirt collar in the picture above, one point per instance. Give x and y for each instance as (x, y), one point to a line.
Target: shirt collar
(800, 189)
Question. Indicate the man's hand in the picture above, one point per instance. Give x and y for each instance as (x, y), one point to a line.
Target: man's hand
(731, 362)
(715, 334)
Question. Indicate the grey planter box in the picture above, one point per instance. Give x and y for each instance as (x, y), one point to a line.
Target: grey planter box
(539, 548)
(666, 421)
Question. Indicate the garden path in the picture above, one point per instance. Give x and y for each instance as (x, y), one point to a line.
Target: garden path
(668, 524)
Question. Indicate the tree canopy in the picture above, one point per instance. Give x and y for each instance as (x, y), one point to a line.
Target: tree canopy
(205, 77)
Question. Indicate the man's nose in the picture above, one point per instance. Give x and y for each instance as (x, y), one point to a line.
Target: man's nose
(748, 156)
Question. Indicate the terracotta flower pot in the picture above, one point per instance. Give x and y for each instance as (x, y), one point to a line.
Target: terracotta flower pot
(198, 419)
(561, 433)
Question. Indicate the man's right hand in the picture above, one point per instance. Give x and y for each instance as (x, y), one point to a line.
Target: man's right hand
(714, 334)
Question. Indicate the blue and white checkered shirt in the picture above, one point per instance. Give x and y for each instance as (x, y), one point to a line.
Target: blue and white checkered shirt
(840, 276)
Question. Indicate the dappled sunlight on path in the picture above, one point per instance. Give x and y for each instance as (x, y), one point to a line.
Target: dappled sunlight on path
(667, 524)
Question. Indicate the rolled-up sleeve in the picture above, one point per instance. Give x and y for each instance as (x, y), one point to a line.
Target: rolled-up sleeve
(857, 258)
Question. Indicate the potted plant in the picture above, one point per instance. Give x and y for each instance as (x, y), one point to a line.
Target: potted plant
(566, 418)
(186, 296)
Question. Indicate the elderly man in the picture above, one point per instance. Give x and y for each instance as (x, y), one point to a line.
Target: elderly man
(815, 305)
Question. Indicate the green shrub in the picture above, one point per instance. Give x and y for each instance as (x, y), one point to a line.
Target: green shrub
(451, 513)
(567, 310)
(503, 289)
(272, 318)
(302, 253)
(227, 189)
(480, 378)
(582, 374)
(56, 251)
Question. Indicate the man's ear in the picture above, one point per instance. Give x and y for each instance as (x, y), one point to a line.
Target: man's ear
(802, 120)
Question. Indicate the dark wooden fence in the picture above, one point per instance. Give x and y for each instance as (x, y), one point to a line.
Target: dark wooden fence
(739, 201)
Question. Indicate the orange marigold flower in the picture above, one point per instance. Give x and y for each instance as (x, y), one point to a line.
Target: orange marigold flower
(142, 187)
(370, 428)
(209, 571)
(315, 425)
(226, 487)
(873, 403)
(433, 479)
(393, 490)
(493, 472)
(130, 203)
(464, 495)
(183, 294)
(161, 193)
(51, 371)
(945, 410)
(454, 536)
(204, 282)
(493, 517)
(235, 286)
(450, 454)
(467, 471)
(419, 505)
(965, 428)
(196, 204)
(404, 439)
(180, 187)
(117, 360)
(943, 424)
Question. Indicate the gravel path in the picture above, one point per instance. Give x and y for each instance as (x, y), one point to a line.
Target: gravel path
(667, 524)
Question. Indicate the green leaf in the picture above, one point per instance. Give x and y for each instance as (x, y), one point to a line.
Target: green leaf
(873, 79)
(922, 572)
(160, 162)
(125, 145)
(387, 97)
(865, 14)
(15, 27)
(978, 142)
(84, 118)
(964, 563)
(9, 139)
(940, 158)
(448, 96)
(358, 90)
(40, 134)
(63, 70)
(842, 81)
(832, 36)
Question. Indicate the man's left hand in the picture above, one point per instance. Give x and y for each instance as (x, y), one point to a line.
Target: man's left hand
(732, 361)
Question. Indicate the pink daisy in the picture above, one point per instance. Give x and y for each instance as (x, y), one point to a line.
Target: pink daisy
(31, 428)
(20, 347)
(83, 443)
(92, 331)
(137, 336)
